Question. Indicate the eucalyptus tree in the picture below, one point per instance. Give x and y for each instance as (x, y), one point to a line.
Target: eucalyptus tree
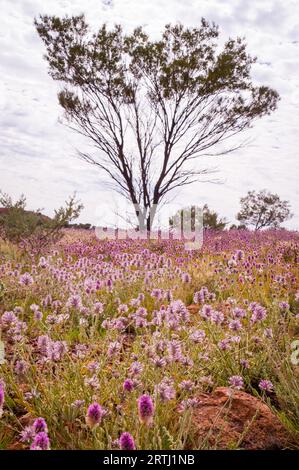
(152, 108)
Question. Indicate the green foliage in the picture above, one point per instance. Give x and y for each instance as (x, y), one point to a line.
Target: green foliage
(263, 209)
(83, 226)
(34, 230)
(212, 220)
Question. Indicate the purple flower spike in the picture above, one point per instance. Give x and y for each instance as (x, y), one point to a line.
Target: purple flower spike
(94, 415)
(128, 385)
(145, 409)
(40, 442)
(40, 425)
(236, 381)
(266, 385)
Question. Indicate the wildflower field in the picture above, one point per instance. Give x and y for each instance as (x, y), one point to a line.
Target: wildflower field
(110, 344)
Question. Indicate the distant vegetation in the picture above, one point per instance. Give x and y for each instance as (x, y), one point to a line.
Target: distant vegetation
(263, 209)
(201, 216)
(34, 230)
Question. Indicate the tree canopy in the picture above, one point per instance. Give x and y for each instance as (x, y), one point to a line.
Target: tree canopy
(263, 209)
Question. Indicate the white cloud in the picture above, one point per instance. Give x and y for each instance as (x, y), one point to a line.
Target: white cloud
(37, 154)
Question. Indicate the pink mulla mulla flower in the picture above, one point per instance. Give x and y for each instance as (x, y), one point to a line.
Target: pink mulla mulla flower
(37, 315)
(27, 435)
(126, 442)
(266, 385)
(85, 311)
(174, 349)
(259, 313)
(141, 312)
(74, 301)
(47, 300)
(232, 263)
(21, 367)
(26, 279)
(165, 390)
(180, 309)
(141, 297)
(186, 385)
(239, 255)
(145, 409)
(224, 344)
(206, 311)
(168, 295)
(234, 339)
(118, 323)
(18, 310)
(284, 306)
(135, 368)
(92, 382)
(252, 306)
(239, 313)
(51, 320)
(187, 404)
(244, 363)
(217, 317)
(141, 322)
(60, 348)
(123, 308)
(113, 348)
(34, 307)
(197, 336)
(157, 294)
(43, 343)
(77, 404)
(106, 324)
(186, 361)
(128, 385)
(40, 425)
(98, 307)
(236, 381)
(94, 415)
(186, 278)
(8, 319)
(43, 263)
(196, 298)
(134, 302)
(160, 346)
(93, 366)
(40, 442)
(268, 333)
(159, 362)
(203, 294)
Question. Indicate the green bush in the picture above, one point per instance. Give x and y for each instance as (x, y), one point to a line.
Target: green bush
(33, 230)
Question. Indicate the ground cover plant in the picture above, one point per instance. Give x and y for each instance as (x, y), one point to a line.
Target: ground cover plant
(108, 344)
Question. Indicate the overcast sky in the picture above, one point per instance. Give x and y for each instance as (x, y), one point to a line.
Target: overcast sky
(38, 154)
